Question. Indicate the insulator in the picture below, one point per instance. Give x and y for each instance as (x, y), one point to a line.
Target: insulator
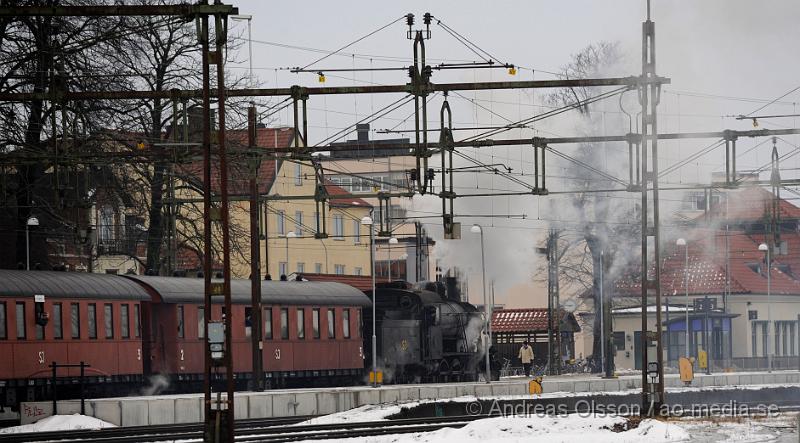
(429, 174)
(427, 18)
(410, 19)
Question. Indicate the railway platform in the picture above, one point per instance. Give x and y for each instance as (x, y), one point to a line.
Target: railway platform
(187, 408)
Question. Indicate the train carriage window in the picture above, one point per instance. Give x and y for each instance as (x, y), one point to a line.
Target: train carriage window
(125, 323)
(20, 320)
(331, 323)
(201, 318)
(268, 323)
(3, 334)
(346, 323)
(58, 329)
(39, 328)
(108, 318)
(181, 329)
(301, 323)
(359, 326)
(92, 321)
(137, 322)
(75, 320)
(315, 322)
(285, 323)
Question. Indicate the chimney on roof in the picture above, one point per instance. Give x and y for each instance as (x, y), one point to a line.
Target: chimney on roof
(362, 129)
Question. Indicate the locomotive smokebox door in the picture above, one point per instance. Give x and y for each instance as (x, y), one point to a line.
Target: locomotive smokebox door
(216, 339)
(41, 315)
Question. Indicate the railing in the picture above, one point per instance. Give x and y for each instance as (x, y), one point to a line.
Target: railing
(123, 246)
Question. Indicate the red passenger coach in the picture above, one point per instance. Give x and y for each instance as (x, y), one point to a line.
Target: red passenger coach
(312, 331)
(68, 318)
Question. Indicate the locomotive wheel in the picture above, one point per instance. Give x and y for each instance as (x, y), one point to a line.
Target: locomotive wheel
(444, 372)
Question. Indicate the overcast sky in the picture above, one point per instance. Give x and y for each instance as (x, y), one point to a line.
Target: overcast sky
(724, 57)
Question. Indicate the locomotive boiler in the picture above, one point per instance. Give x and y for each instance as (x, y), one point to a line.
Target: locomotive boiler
(424, 333)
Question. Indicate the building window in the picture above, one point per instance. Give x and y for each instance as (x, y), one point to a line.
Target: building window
(268, 323)
(785, 338)
(338, 269)
(346, 323)
(201, 318)
(331, 323)
(285, 323)
(75, 320)
(92, 321)
(356, 271)
(3, 334)
(137, 322)
(618, 337)
(357, 232)
(298, 174)
(315, 322)
(281, 222)
(58, 329)
(759, 338)
(338, 227)
(301, 323)
(21, 320)
(301, 267)
(298, 223)
(125, 321)
(318, 268)
(181, 330)
(109, 320)
(105, 228)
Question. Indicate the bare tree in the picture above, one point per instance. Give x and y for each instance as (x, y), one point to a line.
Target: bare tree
(49, 55)
(604, 227)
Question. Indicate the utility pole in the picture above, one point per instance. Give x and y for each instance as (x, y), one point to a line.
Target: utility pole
(256, 335)
(649, 95)
(553, 308)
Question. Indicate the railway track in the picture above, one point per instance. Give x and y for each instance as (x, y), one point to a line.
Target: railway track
(273, 430)
(151, 433)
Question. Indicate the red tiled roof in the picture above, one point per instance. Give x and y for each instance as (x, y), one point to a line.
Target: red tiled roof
(238, 170)
(751, 204)
(360, 282)
(707, 261)
(521, 320)
(344, 202)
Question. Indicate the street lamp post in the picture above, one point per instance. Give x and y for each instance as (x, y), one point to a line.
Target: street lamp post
(763, 247)
(682, 242)
(32, 221)
(477, 229)
(392, 241)
(249, 19)
(368, 222)
(289, 235)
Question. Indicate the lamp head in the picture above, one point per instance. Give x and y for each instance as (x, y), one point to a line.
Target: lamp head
(291, 234)
(763, 247)
(681, 242)
(393, 241)
(367, 221)
(33, 221)
(475, 229)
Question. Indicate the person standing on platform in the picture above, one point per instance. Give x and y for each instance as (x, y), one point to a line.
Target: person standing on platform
(526, 357)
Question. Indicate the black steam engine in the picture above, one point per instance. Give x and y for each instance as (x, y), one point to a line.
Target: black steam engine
(424, 333)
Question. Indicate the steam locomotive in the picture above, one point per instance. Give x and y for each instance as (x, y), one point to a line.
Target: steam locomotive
(425, 333)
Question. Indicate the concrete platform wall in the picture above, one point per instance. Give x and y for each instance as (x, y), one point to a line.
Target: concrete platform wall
(141, 411)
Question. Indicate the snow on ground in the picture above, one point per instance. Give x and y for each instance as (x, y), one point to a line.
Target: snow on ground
(60, 423)
(360, 414)
(567, 429)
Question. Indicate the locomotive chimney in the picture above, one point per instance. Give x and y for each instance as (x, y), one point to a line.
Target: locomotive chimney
(453, 293)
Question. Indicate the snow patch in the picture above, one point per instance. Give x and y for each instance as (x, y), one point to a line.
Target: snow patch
(567, 429)
(60, 423)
